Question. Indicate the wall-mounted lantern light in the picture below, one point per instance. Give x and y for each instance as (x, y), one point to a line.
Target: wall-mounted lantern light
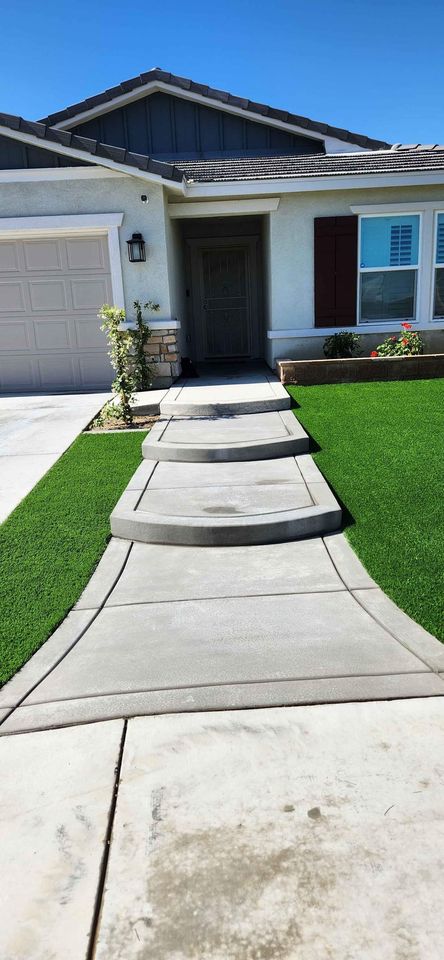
(136, 248)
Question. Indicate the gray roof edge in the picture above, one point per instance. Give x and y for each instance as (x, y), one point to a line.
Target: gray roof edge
(92, 148)
(182, 83)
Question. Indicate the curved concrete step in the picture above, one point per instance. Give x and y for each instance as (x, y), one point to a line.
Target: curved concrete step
(215, 394)
(235, 437)
(234, 504)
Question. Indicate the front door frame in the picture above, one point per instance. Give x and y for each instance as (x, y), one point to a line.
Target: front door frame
(197, 319)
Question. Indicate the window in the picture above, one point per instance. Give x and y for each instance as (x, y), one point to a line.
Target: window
(389, 253)
(438, 300)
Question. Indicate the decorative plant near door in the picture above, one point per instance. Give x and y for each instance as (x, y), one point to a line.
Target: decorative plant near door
(121, 355)
(143, 370)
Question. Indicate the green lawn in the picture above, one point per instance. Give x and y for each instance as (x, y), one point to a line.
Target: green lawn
(51, 543)
(381, 447)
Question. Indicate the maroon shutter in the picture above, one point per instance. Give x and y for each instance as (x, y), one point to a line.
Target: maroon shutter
(336, 271)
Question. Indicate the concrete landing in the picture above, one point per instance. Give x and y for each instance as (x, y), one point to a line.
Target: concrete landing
(205, 439)
(222, 390)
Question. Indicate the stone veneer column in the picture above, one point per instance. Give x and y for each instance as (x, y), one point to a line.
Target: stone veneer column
(163, 351)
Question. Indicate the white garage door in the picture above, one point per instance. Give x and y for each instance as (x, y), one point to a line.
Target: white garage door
(50, 291)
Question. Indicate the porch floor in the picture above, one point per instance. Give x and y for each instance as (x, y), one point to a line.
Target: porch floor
(226, 388)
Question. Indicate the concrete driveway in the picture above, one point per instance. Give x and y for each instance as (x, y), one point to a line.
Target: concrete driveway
(34, 432)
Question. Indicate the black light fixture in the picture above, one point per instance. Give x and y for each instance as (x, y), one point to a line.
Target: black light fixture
(136, 248)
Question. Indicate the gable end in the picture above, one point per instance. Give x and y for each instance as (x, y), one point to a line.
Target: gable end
(167, 127)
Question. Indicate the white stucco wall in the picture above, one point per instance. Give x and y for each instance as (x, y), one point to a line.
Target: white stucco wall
(291, 253)
(143, 281)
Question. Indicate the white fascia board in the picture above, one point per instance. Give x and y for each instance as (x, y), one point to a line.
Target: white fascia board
(361, 328)
(363, 208)
(222, 208)
(332, 144)
(44, 144)
(234, 188)
(35, 175)
(69, 223)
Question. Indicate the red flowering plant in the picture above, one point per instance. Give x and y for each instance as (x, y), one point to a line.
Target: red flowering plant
(407, 344)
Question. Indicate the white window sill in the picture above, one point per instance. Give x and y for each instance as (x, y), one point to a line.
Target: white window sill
(358, 328)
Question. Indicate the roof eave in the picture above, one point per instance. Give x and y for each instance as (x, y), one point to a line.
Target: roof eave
(235, 188)
(36, 135)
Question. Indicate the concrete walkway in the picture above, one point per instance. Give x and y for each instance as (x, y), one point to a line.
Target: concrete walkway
(275, 619)
(306, 830)
(34, 432)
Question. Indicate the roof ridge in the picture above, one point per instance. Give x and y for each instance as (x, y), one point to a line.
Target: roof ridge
(183, 83)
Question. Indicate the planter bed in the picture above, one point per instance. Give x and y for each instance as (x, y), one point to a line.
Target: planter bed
(309, 372)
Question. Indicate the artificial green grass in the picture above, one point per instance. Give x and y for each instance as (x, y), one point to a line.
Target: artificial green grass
(381, 447)
(53, 540)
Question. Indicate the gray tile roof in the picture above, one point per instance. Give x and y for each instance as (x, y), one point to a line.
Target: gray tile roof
(262, 109)
(90, 147)
(401, 159)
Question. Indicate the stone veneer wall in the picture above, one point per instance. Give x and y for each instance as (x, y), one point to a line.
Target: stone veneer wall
(163, 351)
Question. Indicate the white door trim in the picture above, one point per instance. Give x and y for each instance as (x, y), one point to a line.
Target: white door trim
(80, 224)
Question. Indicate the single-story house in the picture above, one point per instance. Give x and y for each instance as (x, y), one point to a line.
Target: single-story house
(263, 232)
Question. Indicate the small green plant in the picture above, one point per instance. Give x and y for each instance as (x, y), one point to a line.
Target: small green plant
(110, 411)
(342, 345)
(142, 369)
(121, 354)
(407, 344)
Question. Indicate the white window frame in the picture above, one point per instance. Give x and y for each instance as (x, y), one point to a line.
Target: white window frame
(104, 224)
(411, 266)
(435, 267)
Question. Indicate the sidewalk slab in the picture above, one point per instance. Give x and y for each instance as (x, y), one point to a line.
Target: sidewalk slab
(237, 696)
(164, 646)
(284, 833)
(187, 573)
(57, 790)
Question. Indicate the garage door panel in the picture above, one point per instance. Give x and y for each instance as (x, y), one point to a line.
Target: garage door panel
(9, 257)
(89, 336)
(18, 373)
(42, 255)
(95, 372)
(47, 295)
(14, 335)
(58, 371)
(12, 296)
(53, 335)
(89, 293)
(51, 289)
(86, 254)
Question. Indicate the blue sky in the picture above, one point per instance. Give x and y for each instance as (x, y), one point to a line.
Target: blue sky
(374, 67)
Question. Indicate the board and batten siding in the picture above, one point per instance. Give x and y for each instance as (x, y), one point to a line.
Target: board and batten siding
(164, 126)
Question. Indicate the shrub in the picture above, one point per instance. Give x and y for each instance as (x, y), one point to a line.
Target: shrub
(341, 345)
(407, 344)
(122, 357)
(142, 369)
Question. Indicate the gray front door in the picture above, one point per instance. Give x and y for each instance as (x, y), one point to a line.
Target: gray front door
(225, 302)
